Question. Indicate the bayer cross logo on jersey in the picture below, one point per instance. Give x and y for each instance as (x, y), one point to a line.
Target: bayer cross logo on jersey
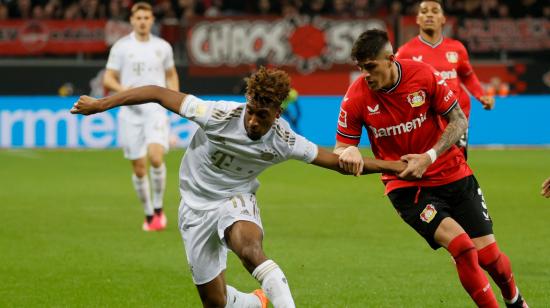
(452, 56)
(416, 99)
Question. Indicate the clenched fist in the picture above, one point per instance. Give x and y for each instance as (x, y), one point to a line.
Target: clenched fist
(87, 105)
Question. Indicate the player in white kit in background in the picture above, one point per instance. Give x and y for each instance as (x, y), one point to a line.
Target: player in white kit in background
(218, 212)
(140, 59)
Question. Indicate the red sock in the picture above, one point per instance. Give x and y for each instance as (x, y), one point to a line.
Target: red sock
(470, 273)
(498, 266)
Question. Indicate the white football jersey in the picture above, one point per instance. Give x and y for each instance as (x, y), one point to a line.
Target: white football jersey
(222, 161)
(140, 64)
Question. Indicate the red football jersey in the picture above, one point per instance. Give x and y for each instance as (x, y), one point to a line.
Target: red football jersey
(405, 119)
(450, 58)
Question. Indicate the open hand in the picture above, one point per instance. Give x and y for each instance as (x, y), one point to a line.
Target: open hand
(86, 105)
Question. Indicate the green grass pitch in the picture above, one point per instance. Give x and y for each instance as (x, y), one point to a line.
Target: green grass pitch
(70, 235)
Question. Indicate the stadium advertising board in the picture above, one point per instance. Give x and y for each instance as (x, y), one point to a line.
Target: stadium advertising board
(31, 122)
(520, 35)
(34, 37)
(303, 43)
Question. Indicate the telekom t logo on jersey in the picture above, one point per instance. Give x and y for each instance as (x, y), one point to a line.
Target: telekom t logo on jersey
(400, 128)
(138, 67)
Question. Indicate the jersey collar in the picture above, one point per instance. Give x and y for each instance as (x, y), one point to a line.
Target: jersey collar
(134, 38)
(399, 73)
(430, 44)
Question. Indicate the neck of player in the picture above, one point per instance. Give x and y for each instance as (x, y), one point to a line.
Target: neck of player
(431, 36)
(142, 37)
(394, 75)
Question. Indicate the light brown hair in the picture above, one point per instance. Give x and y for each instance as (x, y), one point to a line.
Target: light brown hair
(141, 6)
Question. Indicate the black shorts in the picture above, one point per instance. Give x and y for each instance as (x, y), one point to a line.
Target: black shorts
(423, 208)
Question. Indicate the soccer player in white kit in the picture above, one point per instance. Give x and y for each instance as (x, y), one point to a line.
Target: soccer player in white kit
(218, 209)
(139, 59)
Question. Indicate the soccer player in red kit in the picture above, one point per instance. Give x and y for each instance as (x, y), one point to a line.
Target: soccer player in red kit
(401, 104)
(449, 57)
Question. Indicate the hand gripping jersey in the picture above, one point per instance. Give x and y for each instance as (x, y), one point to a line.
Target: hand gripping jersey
(140, 64)
(405, 119)
(450, 58)
(222, 161)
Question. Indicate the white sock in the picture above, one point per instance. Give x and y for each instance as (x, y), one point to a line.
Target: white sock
(141, 185)
(158, 183)
(274, 284)
(237, 299)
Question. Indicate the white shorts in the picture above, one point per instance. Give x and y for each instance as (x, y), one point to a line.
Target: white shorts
(135, 137)
(203, 234)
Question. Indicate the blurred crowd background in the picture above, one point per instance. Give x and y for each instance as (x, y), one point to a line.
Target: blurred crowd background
(182, 10)
(217, 42)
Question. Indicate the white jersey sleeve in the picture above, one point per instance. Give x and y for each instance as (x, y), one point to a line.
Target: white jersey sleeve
(168, 62)
(115, 58)
(201, 111)
(304, 150)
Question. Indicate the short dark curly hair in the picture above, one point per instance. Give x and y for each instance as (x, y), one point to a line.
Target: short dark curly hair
(268, 87)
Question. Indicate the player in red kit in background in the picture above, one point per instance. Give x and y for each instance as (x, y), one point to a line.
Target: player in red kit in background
(449, 57)
(401, 105)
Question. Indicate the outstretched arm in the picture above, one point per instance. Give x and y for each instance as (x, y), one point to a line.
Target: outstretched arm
(418, 163)
(168, 99)
(331, 161)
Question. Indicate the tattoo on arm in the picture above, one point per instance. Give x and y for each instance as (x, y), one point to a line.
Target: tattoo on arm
(455, 129)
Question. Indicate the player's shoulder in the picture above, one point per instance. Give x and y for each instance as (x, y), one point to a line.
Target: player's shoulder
(127, 39)
(410, 44)
(416, 70)
(357, 89)
(453, 43)
(412, 67)
(355, 95)
(160, 41)
(122, 43)
(283, 133)
(226, 110)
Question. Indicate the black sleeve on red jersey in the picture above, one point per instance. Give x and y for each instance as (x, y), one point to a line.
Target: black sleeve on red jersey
(450, 108)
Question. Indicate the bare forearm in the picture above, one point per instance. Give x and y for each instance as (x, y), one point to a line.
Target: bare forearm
(455, 129)
(173, 83)
(112, 83)
(169, 99)
(382, 166)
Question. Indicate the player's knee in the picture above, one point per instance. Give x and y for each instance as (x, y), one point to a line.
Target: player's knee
(489, 255)
(460, 245)
(140, 170)
(156, 160)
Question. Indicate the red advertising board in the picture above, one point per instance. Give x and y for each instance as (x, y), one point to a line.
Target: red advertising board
(302, 44)
(33, 37)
